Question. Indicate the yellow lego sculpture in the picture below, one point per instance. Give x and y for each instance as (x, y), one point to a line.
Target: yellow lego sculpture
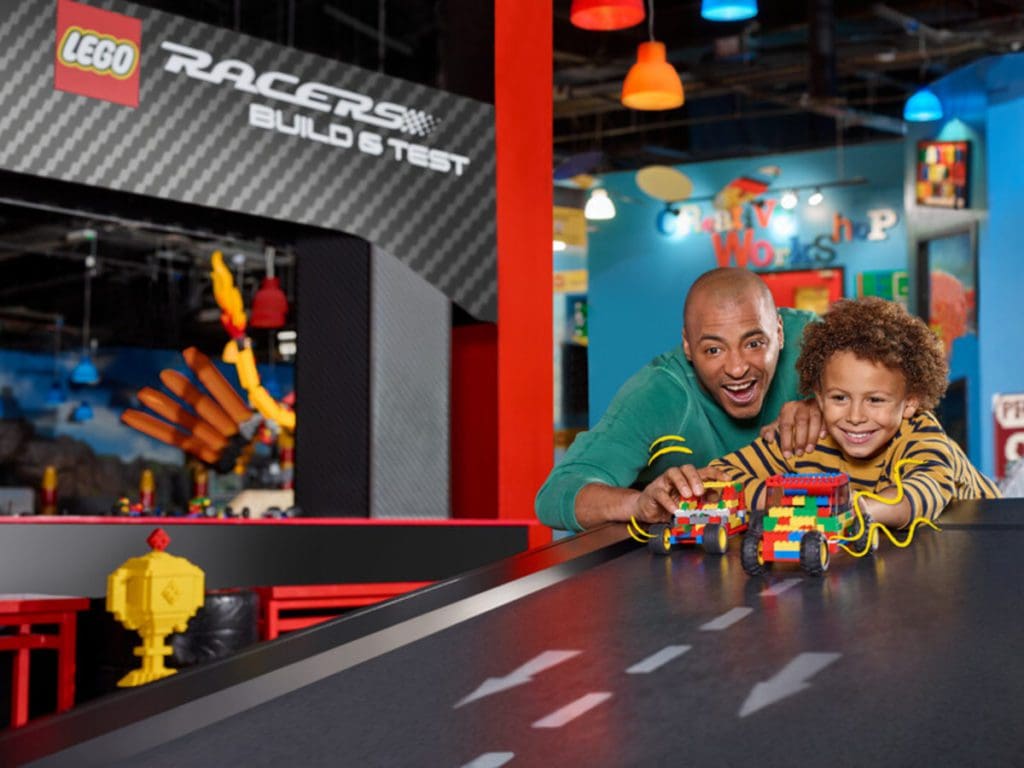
(155, 594)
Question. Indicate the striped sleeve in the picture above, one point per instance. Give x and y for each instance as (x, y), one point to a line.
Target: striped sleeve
(752, 465)
(942, 473)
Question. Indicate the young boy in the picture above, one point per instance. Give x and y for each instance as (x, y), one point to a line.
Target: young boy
(875, 372)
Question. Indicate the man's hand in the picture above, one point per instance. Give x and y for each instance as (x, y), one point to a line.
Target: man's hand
(798, 427)
(661, 498)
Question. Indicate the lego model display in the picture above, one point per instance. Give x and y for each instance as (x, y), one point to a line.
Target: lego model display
(809, 517)
(805, 517)
(709, 521)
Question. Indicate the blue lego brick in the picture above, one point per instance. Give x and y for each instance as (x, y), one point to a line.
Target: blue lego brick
(787, 555)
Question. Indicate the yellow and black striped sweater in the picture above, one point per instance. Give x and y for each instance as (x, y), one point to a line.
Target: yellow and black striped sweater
(944, 475)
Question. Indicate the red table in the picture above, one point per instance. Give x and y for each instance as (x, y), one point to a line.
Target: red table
(319, 602)
(33, 617)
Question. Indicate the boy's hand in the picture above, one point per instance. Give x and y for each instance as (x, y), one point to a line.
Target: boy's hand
(661, 498)
(798, 427)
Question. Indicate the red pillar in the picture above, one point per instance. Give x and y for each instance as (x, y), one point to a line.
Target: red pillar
(523, 75)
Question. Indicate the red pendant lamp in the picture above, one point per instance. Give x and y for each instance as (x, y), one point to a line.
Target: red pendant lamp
(606, 14)
(269, 305)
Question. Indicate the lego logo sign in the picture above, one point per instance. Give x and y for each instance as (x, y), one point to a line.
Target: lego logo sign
(97, 53)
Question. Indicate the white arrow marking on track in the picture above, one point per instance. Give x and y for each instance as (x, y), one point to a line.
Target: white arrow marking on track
(490, 760)
(789, 680)
(779, 587)
(662, 657)
(570, 712)
(727, 619)
(523, 674)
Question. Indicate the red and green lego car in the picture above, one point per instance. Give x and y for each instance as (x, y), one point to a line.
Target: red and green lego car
(708, 521)
(806, 516)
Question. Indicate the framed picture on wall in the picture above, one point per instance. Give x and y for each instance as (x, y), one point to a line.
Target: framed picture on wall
(813, 289)
(943, 173)
(947, 268)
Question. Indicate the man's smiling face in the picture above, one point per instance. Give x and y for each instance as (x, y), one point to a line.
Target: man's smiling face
(733, 341)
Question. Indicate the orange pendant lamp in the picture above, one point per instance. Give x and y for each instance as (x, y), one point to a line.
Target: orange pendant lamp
(652, 83)
(606, 14)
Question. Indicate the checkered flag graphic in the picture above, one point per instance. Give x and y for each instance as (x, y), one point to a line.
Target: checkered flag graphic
(419, 123)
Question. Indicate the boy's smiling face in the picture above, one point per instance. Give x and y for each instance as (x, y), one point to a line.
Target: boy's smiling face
(863, 404)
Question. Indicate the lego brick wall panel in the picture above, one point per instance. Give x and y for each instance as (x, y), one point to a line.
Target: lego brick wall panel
(407, 167)
(332, 436)
(409, 386)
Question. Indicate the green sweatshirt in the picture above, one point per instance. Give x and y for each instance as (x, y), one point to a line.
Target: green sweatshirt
(662, 398)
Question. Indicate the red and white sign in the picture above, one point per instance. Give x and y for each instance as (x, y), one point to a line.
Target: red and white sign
(97, 53)
(1008, 411)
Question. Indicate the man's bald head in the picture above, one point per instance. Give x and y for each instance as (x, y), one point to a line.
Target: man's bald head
(726, 285)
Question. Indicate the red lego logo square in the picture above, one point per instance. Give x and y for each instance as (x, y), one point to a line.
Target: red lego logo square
(97, 53)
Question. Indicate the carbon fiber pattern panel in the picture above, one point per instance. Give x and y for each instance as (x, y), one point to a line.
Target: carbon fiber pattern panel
(195, 141)
(409, 383)
(332, 436)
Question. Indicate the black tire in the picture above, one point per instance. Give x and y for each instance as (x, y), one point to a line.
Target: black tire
(662, 542)
(750, 554)
(814, 554)
(715, 540)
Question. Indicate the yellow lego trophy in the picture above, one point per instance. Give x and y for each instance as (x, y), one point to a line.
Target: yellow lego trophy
(155, 594)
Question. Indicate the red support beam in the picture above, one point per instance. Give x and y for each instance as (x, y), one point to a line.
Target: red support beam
(523, 53)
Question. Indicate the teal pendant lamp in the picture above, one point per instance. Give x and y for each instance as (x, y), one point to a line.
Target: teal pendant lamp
(923, 107)
(728, 10)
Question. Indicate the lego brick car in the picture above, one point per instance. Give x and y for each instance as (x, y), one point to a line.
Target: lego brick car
(709, 521)
(806, 517)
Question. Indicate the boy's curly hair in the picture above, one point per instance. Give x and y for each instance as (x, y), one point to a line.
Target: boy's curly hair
(880, 331)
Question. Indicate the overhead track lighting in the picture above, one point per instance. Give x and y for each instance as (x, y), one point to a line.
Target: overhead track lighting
(606, 14)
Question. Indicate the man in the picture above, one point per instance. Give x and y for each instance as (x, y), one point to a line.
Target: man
(724, 386)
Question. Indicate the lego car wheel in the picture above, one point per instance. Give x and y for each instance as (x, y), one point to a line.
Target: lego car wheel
(662, 541)
(814, 554)
(715, 539)
(752, 554)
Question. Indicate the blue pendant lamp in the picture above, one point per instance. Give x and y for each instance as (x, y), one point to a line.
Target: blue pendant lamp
(923, 107)
(728, 10)
(85, 373)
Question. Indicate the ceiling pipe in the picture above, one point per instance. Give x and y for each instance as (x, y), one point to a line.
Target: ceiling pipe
(821, 64)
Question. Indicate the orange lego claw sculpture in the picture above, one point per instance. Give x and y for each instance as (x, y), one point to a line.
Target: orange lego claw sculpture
(165, 433)
(206, 407)
(177, 414)
(217, 385)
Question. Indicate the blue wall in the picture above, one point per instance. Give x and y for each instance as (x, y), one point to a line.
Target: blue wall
(638, 277)
(984, 103)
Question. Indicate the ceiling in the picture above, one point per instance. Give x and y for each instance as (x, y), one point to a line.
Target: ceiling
(800, 75)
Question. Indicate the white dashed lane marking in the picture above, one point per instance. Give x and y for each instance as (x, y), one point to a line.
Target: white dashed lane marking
(490, 760)
(779, 587)
(654, 661)
(571, 711)
(727, 619)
